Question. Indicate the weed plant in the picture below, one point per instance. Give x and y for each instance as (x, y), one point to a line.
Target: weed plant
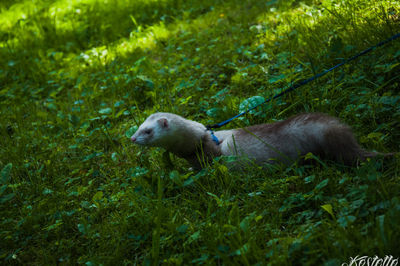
(78, 77)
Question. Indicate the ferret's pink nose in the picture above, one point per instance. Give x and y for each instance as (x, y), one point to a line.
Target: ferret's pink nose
(133, 139)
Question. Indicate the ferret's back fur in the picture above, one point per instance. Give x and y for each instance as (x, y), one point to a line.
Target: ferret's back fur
(284, 141)
(290, 139)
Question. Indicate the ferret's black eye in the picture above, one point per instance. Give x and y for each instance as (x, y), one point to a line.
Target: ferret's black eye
(147, 131)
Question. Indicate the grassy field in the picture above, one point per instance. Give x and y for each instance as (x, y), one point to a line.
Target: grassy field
(78, 77)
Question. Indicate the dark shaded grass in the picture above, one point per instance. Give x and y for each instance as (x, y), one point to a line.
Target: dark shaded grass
(81, 193)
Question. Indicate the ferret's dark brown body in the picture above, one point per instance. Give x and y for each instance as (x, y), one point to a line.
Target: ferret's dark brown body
(285, 141)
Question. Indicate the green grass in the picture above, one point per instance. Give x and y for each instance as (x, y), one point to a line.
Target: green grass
(78, 77)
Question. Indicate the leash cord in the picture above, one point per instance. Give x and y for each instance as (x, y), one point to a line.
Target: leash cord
(304, 82)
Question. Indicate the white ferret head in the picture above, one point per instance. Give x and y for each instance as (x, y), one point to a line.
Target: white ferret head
(154, 131)
(169, 131)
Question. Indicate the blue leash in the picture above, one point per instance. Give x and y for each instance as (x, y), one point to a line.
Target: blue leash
(297, 85)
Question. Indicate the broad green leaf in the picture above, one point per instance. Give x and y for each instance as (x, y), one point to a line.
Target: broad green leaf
(105, 111)
(130, 131)
(7, 197)
(250, 103)
(322, 184)
(98, 196)
(114, 156)
(182, 229)
(213, 112)
(47, 191)
(82, 228)
(309, 179)
(119, 103)
(194, 236)
(5, 174)
(344, 221)
(328, 208)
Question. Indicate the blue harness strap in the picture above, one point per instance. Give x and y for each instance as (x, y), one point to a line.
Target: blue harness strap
(214, 138)
(301, 83)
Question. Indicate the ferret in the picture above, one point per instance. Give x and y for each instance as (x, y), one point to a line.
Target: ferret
(285, 141)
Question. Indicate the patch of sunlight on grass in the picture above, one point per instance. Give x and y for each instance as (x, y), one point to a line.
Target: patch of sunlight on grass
(105, 54)
(284, 20)
(63, 7)
(275, 24)
(58, 10)
(146, 39)
(9, 43)
(16, 12)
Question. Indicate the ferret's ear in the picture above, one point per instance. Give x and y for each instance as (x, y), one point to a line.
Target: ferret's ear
(163, 122)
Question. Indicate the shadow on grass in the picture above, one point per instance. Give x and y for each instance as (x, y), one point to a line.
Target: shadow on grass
(91, 24)
(78, 29)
